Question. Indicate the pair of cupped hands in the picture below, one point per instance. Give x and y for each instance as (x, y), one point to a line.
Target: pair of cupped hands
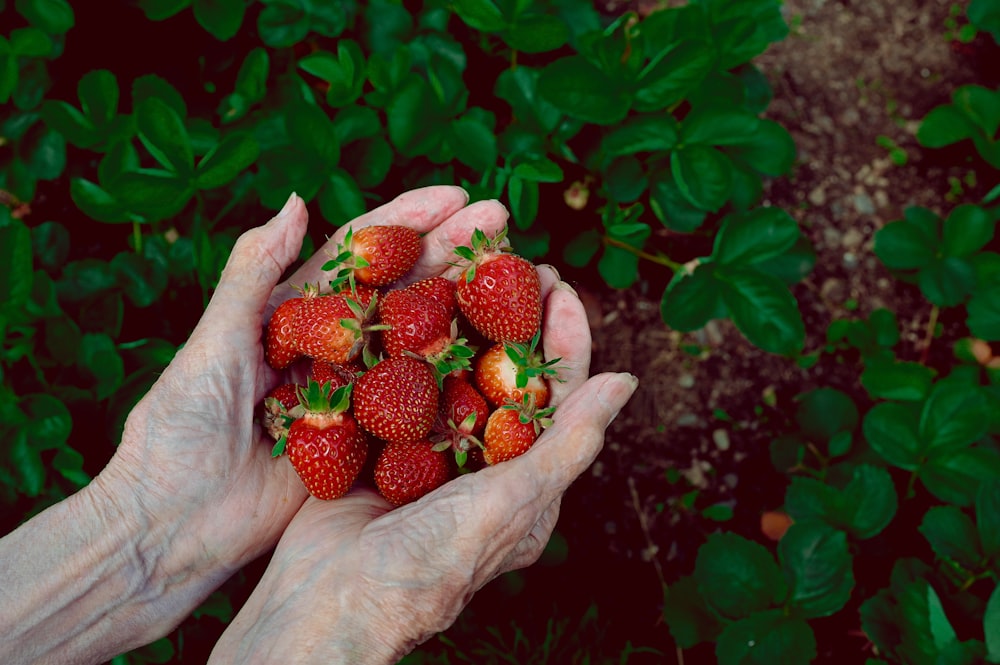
(349, 580)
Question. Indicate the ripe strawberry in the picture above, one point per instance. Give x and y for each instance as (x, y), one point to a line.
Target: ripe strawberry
(499, 293)
(281, 407)
(405, 472)
(397, 399)
(506, 372)
(375, 255)
(462, 415)
(325, 445)
(441, 289)
(419, 325)
(330, 327)
(512, 429)
(335, 374)
(280, 348)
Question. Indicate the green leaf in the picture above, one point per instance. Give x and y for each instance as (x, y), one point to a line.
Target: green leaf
(27, 461)
(341, 200)
(100, 358)
(765, 638)
(69, 464)
(988, 517)
(582, 248)
(482, 15)
(142, 281)
(311, 131)
(68, 121)
(474, 143)
(991, 626)
(222, 18)
(891, 430)
(160, 10)
(48, 155)
(764, 310)
(230, 157)
(692, 299)
(580, 90)
(981, 105)
(754, 236)
(955, 477)
(519, 88)
(30, 43)
(984, 314)
(967, 230)
(618, 266)
(164, 135)
(642, 133)
(718, 126)
(817, 567)
(49, 421)
(824, 412)
(943, 126)
(355, 123)
(539, 170)
(952, 535)
(369, 161)
(948, 282)
(670, 206)
(903, 245)
(893, 379)
(737, 577)
(414, 119)
(954, 416)
(672, 74)
(151, 191)
(16, 270)
(50, 241)
(8, 73)
(869, 502)
(282, 24)
(52, 16)
(99, 93)
(624, 180)
(688, 616)
(536, 33)
(152, 86)
(704, 176)
(524, 198)
(96, 202)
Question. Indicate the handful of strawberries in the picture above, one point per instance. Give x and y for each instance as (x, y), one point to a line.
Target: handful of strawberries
(430, 380)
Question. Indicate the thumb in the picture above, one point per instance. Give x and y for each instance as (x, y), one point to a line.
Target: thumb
(259, 258)
(576, 436)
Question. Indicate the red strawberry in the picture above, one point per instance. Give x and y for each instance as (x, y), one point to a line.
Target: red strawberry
(506, 372)
(419, 325)
(462, 415)
(397, 399)
(281, 408)
(335, 374)
(499, 293)
(376, 255)
(325, 445)
(440, 289)
(280, 349)
(512, 429)
(330, 327)
(405, 472)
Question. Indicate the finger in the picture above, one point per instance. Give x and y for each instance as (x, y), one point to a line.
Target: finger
(490, 217)
(421, 209)
(576, 436)
(257, 261)
(566, 335)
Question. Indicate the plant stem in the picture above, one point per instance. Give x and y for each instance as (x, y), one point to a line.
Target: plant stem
(929, 334)
(661, 259)
(137, 237)
(644, 525)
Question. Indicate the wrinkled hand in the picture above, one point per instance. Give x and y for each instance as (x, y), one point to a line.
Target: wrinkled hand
(355, 581)
(193, 467)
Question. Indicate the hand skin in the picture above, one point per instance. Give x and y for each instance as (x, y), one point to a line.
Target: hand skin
(191, 494)
(354, 581)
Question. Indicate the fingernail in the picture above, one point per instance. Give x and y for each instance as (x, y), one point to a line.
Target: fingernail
(285, 209)
(610, 393)
(552, 268)
(464, 191)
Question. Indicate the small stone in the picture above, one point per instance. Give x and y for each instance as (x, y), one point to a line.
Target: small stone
(721, 439)
(852, 239)
(850, 260)
(686, 381)
(864, 204)
(817, 197)
(688, 420)
(731, 480)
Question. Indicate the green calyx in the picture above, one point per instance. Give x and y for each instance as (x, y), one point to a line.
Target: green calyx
(528, 361)
(528, 412)
(321, 398)
(345, 262)
(481, 245)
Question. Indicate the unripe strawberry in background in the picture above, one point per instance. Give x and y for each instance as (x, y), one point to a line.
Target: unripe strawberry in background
(499, 293)
(325, 446)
